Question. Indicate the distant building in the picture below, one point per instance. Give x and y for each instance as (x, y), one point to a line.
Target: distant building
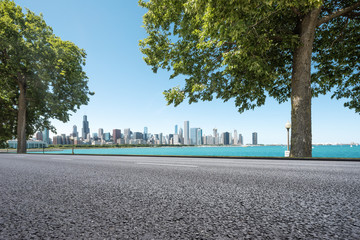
(63, 139)
(146, 133)
(160, 138)
(75, 132)
(181, 136)
(107, 136)
(176, 139)
(216, 136)
(46, 137)
(39, 136)
(209, 140)
(116, 135)
(236, 140)
(85, 128)
(225, 137)
(176, 129)
(29, 144)
(95, 137)
(241, 139)
(193, 136)
(138, 135)
(186, 133)
(101, 133)
(57, 140)
(199, 139)
(254, 138)
(127, 133)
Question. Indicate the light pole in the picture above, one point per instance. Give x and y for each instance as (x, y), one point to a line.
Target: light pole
(288, 126)
(73, 142)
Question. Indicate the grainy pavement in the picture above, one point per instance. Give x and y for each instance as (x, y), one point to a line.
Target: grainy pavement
(97, 197)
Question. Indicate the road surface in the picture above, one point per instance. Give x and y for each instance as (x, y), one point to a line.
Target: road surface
(109, 197)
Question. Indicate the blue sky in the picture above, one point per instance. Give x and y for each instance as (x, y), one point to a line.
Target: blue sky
(129, 95)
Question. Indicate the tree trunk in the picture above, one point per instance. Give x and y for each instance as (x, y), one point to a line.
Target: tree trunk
(21, 121)
(301, 136)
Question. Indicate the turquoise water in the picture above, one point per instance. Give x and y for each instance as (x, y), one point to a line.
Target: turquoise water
(340, 151)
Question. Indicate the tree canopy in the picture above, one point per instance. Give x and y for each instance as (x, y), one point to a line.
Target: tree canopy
(251, 50)
(41, 76)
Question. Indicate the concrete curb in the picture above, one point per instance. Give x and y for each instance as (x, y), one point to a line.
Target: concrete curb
(217, 157)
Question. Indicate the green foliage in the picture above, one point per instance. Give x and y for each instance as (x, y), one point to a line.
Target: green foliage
(51, 67)
(244, 49)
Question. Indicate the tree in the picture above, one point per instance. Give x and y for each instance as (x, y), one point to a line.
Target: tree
(251, 50)
(41, 76)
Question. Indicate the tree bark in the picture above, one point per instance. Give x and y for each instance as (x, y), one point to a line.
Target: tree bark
(21, 121)
(301, 136)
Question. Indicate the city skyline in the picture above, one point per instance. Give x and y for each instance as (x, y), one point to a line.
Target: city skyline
(128, 93)
(196, 136)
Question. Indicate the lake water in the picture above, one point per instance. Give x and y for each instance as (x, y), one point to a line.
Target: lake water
(338, 151)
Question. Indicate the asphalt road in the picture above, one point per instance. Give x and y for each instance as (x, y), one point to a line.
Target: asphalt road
(96, 197)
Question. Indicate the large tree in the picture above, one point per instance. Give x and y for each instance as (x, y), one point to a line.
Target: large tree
(251, 50)
(41, 76)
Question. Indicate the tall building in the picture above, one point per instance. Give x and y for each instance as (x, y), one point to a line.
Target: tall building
(85, 128)
(57, 140)
(138, 135)
(193, 136)
(63, 139)
(95, 136)
(216, 136)
(186, 133)
(107, 137)
(225, 138)
(127, 133)
(236, 140)
(116, 135)
(45, 135)
(75, 132)
(146, 133)
(161, 138)
(176, 139)
(254, 138)
(176, 129)
(241, 139)
(101, 133)
(181, 136)
(199, 139)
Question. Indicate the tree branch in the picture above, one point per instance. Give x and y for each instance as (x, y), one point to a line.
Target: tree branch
(337, 14)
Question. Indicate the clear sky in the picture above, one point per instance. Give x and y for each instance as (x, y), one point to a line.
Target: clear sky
(129, 95)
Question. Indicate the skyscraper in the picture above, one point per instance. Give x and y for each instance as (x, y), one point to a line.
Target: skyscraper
(127, 133)
(186, 133)
(254, 138)
(137, 135)
(225, 138)
(161, 138)
(216, 136)
(176, 129)
(145, 133)
(193, 136)
(199, 139)
(236, 141)
(101, 133)
(75, 132)
(107, 137)
(241, 139)
(85, 128)
(45, 134)
(116, 135)
(181, 136)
